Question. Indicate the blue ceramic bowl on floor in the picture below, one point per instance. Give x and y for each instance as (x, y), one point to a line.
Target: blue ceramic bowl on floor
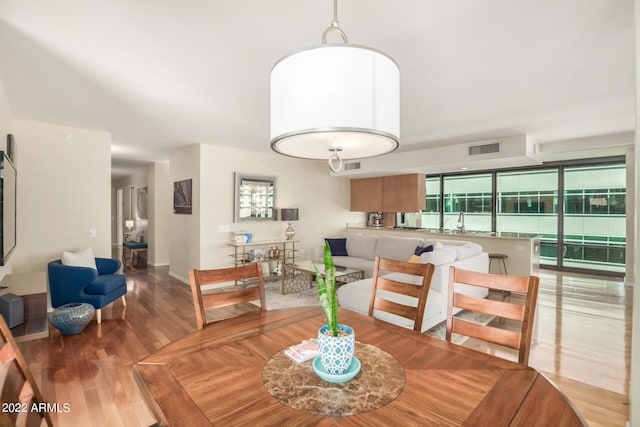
(71, 319)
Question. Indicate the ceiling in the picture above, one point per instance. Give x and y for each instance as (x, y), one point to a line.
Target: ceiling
(161, 74)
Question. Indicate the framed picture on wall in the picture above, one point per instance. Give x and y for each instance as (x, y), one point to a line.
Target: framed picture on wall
(254, 198)
(182, 196)
(142, 202)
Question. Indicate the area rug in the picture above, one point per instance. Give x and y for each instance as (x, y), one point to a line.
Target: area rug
(276, 301)
(439, 331)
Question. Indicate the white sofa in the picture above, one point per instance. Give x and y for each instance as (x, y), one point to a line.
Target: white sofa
(362, 250)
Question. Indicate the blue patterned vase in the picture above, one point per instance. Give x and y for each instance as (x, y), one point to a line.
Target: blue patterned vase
(336, 352)
(71, 319)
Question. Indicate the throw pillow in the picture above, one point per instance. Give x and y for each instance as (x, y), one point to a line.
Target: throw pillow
(439, 257)
(414, 258)
(133, 237)
(83, 258)
(338, 246)
(468, 250)
(420, 250)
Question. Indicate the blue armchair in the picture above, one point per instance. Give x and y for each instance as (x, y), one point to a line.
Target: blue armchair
(99, 288)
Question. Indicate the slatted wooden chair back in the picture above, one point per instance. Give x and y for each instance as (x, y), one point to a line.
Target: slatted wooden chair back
(22, 403)
(417, 288)
(521, 312)
(228, 295)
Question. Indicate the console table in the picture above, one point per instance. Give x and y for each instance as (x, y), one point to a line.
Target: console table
(242, 251)
(32, 287)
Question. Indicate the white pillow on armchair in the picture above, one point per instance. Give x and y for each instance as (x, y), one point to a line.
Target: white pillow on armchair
(83, 258)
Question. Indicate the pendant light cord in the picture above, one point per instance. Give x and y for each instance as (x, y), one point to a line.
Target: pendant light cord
(335, 22)
(335, 26)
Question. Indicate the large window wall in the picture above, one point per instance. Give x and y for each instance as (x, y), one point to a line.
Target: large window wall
(528, 203)
(594, 226)
(471, 195)
(577, 210)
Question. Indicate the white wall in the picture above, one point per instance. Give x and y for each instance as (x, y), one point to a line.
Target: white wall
(184, 229)
(64, 183)
(634, 387)
(323, 202)
(5, 128)
(160, 206)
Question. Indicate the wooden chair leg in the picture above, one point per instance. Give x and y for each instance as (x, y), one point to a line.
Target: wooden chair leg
(99, 315)
(124, 301)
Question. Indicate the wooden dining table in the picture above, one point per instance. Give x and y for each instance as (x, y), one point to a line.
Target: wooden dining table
(214, 376)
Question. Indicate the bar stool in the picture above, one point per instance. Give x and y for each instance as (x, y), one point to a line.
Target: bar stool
(502, 263)
(500, 258)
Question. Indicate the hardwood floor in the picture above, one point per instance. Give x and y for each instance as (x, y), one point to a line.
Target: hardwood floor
(581, 342)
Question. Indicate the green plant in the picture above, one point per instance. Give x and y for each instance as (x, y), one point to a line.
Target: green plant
(327, 291)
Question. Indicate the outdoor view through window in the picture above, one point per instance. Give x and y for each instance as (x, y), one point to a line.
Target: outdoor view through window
(584, 228)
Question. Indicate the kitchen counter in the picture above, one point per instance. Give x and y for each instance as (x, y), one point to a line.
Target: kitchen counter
(522, 249)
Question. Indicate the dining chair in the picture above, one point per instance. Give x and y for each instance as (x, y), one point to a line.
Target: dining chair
(390, 292)
(20, 393)
(229, 295)
(520, 312)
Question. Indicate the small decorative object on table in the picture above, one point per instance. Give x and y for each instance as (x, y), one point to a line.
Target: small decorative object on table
(336, 342)
(289, 215)
(277, 270)
(72, 318)
(306, 350)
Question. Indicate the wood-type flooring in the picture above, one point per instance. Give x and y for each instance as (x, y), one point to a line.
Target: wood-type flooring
(582, 342)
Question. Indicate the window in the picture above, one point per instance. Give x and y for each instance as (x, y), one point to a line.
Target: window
(594, 217)
(528, 203)
(472, 195)
(577, 210)
(431, 214)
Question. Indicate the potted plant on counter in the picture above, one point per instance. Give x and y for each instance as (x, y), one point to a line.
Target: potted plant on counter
(336, 342)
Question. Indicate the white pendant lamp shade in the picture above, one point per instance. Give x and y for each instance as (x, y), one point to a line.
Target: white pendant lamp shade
(331, 98)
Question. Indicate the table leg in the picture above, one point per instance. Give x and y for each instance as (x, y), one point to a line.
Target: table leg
(295, 280)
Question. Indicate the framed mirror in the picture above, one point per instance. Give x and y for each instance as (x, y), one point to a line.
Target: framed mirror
(254, 198)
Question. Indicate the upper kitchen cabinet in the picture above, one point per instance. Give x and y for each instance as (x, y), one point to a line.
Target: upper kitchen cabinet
(366, 195)
(396, 193)
(403, 193)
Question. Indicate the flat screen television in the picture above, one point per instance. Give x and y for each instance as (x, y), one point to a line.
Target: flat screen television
(8, 187)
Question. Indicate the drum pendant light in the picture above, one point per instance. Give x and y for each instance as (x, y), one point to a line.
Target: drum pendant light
(335, 102)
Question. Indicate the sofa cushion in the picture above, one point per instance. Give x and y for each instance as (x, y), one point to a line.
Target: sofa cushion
(105, 284)
(134, 245)
(354, 262)
(467, 250)
(338, 246)
(397, 248)
(361, 245)
(83, 258)
(438, 257)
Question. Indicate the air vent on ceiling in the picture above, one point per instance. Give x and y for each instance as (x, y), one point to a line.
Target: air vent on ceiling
(494, 147)
(351, 166)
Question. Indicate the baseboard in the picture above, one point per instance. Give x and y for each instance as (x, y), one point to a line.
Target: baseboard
(178, 277)
(159, 264)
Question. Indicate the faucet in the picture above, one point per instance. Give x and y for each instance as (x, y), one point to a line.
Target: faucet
(460, 224)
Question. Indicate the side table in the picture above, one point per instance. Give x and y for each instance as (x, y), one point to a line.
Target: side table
(297, 277)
